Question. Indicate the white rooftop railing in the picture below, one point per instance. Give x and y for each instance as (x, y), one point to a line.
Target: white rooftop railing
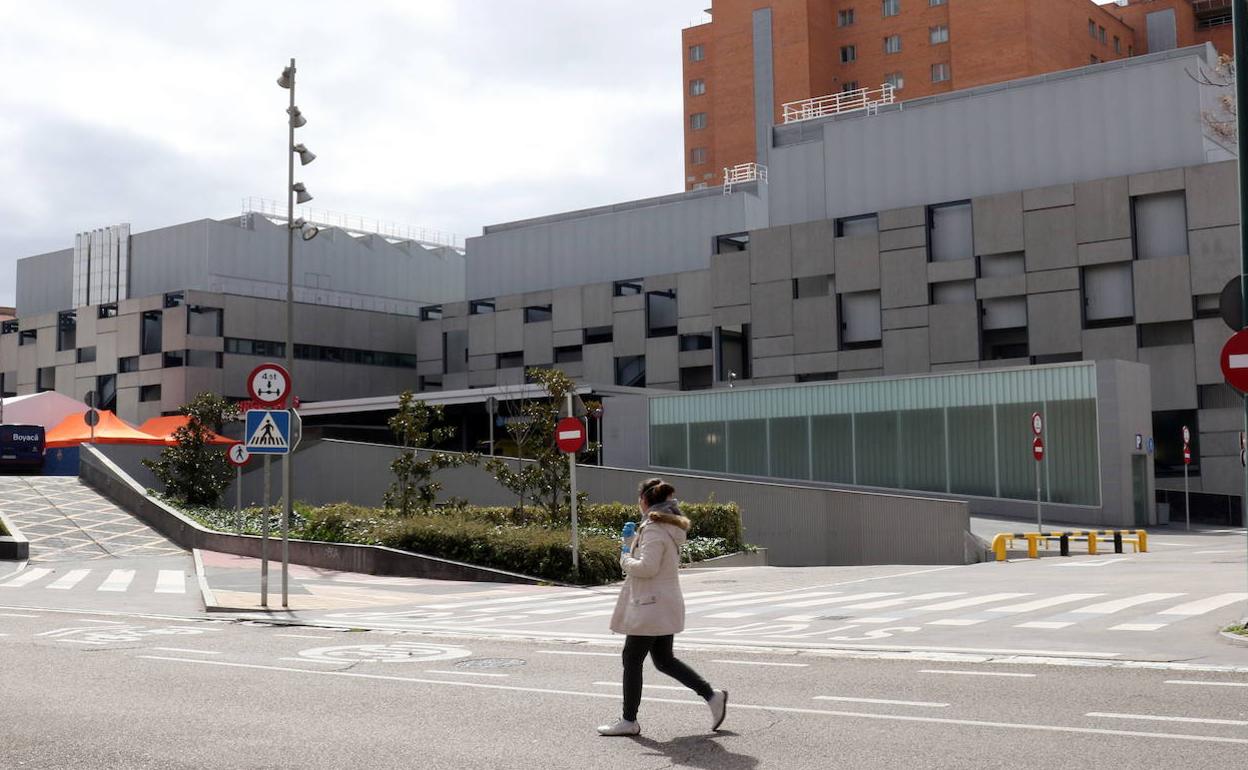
(352, 223)
(743, 172)
(868, 99)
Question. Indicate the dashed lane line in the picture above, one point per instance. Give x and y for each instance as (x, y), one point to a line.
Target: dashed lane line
(1158, 718)
(702, 704)
(762, 663)
(975, 673)
(883, 702)
(1206, 684)
(187, 650)
(467, 673)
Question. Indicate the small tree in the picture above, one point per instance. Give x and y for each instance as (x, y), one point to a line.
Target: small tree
(193, 470)
(1222, 119)
(546, 477)
(416, 425)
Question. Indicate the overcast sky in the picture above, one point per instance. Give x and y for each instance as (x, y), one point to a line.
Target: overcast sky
(450, 114)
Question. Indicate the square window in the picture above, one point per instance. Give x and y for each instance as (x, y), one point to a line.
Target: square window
(697, 121)
(510, 360)
(627, 288)
(431, 312)
(860, 320)
(1091, 29)
(892, 7)
(697, 52)
(697, 87)
(598, 335)
(173, 359)
(536, 314)
(660, 313)
(86, 355)
(895, 80)
(106, 311)
(849, 85)
(692, 342)
(849, 53)
(630, 371)
(850, 227)
(892, 44)
(128, 364)
(27, 337)
(568, 354)
(481, 307)
(697, 156)
(149, 393)
(940, 73)
(938, 34)
(845, 18)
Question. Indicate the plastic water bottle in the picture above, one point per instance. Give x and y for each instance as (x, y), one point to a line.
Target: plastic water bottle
(629, 530)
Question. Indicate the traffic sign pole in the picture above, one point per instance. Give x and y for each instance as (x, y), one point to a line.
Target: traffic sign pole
(1037, 451)
(264, 537)
(238, 499)
(1187, 460)
(576, 550)
(1239, 18)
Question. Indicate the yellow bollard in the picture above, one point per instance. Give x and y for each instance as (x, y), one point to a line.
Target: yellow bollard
(1031, 546)
(998, 546)
(1143, 536)
(1092, 543)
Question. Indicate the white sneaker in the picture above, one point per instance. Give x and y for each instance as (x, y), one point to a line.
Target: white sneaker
(622, 727)
(719, 708)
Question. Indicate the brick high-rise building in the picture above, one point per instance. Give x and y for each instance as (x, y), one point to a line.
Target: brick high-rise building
(754, 56)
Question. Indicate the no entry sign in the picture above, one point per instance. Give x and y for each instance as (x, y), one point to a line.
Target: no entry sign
(1037, 448)
(1235, 361)
(570, 435)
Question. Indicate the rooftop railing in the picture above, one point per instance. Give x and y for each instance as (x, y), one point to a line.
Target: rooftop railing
(862, 99)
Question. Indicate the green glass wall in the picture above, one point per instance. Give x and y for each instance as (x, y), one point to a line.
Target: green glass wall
(962, 434)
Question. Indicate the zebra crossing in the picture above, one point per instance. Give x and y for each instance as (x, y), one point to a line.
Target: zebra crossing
(164, 581)
(778, 613)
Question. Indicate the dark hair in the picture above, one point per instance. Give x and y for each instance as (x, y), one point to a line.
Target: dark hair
(655, 491)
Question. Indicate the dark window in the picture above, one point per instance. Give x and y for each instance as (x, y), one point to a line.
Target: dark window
(427, 382)
(727, 244)
(204, 359)
(697, 52)
(480, 307)
(690, 342)
(865, 224)
(1207, 305)
(849, 85)
(697, 378)
(510, 360)
(630, 371)
(455, 351)
(9, 327)
(1166, 334)
(128, 364)
(845, 18)
(892, 7)
(697, 121)
(536, 314)
(106, 392)
(568, 354)
(86, 355)
(733, 355)
(848, 54)
(660, 313)
(627, 288)
(45, 379)
(813, 286)
(27, 337)
(596, 335)
(816, 377)
(151, 333)
(204, 321)
(149, 393)
(431, 313)
(1221, 396)
(175, 299)
(66, 330)
(1002, 344)
(106, 311)
(173, 359)
(1168, 435)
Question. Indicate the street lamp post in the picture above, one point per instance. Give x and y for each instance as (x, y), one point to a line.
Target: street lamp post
(295, 120)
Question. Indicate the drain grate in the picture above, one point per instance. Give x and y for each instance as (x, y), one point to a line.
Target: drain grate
(490, 663)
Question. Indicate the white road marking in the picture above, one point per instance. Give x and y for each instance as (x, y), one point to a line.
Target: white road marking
(1155, 718)
(1138, 626)
(1118, 605)
(185, 649)
(838, 600)
(102, 622)
(876, 620)
(1202, 606)
(762, 663)
(304, 636)
(922, 704)
(958, 604)
(679, 688)
(1040, 604)
(769, 599)
(1211, 553)
(1097, 563)
(117, 580)
(1045, 624)
(570, 652)
(732, 615)
(78, 641)
(171, 581)
(956, 622)
(1207, 684)
(26, 578)
(902, 600)
(466, 673)
(702, 704)
(974, 673)
(17, 615)
(315, 660)
(503, 600)
(69, 579)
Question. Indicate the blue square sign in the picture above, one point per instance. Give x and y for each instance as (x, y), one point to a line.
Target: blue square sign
(268, 432)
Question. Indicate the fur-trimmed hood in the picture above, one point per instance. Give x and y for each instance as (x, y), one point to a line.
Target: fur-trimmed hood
(668, 512)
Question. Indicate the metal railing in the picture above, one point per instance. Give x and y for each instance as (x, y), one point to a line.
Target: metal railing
(742, 173)
(868, 99)
(353, 223)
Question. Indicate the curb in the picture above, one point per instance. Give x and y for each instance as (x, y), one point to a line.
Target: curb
(13, 546)
(1238, 639)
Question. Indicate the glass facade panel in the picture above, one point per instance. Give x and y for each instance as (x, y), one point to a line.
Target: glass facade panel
(832, 448)
(1014, 459)
(922, 450)
(875, 445)
(972, 447)
(707, 444)
(790, 449)
(669, 446)
(747, 447)
(1071, 456)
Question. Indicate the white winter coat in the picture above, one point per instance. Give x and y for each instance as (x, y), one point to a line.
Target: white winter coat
(650, 603)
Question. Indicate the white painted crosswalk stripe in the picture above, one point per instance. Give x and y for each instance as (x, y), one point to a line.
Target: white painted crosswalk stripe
(1118, 605)
(69, 579)
(117, 580)
(26, 578)
(903, 600)
(837, 600)
(1201, 606)
(171, 581)
(958, 604)
(768, 598)
(1040, 604)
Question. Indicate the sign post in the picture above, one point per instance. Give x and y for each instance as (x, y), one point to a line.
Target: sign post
(570, 436)
(238, 456)
(1187, 460)
(491, 406)
(1037, 451)
(269, 385)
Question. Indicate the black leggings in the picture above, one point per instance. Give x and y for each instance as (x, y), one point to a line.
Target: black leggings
(659, 648)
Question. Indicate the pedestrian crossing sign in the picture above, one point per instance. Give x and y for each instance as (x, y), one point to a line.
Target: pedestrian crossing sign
(268, 432)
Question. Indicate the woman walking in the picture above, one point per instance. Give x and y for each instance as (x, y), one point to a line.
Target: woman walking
(651, 610)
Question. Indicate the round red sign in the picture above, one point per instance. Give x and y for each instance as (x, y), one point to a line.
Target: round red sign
(1235, 361)
(269, 384)
(1037, 448)
(238, 455)
(1037, 423)
(1187, 454)
(570, 435)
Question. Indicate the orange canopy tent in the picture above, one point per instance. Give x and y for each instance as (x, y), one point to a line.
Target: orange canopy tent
(163, 428)
(73, 430)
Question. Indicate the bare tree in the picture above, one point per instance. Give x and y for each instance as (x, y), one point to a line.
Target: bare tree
(1221, 120)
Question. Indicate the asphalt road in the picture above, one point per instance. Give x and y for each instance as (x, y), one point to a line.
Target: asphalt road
(99, 690)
